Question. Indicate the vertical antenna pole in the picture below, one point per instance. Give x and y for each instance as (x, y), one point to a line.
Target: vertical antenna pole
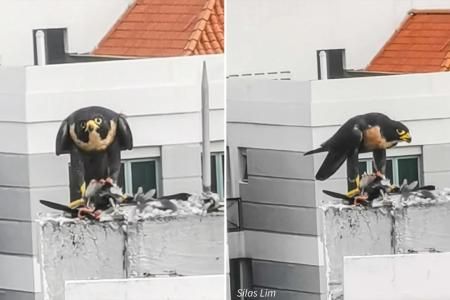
(206, 172)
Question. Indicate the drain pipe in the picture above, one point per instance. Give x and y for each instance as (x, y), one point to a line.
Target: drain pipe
(206, 172)
(40, 47)
(323, 65)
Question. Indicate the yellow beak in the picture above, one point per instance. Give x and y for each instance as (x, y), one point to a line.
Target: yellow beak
(406, 137)
(91, 125)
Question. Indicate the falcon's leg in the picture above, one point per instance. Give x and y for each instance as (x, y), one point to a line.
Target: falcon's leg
(353, 174)
(379, 157)
(77, 183)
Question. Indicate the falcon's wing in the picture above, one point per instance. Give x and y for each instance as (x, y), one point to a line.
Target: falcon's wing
(124, 134)
(63, 141)
(343, 143)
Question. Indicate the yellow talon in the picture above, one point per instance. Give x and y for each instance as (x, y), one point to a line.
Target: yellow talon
(353, 193)
(83, 189)
(356, 190)
(81, 201)
(77, 203)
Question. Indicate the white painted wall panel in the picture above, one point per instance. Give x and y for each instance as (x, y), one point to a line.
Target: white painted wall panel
(182, 185)
(439, 179)
(397, 277)
(288, 248)
(131, 101)
(280, 191)
(21, 281)
(281, 164)
(17, 163)
(12, 80)
(430, 164)
(236, 245)
(181, 161)
(268, 102)
(123, 73)
(216, 125)
(175, 288)
(13, 106)
(269, 137)
(15, 203)
(402, 97)
(15, 237)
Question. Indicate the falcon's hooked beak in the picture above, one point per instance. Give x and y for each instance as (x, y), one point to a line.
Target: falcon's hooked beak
(91, 126)
(406, 137)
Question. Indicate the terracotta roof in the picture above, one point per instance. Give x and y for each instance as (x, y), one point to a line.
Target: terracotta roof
(155, 28)
(421, 44)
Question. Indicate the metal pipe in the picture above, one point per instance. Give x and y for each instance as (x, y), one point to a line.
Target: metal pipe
(206, 154)
(40, 48)
(323, 65)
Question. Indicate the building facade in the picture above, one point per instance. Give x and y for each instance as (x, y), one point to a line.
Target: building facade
(276, 237)
(162, 101)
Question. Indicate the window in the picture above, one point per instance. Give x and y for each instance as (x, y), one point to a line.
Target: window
(234, 209)
(55, 45)
(397, 168)
(217, 173)
(335, 63)
(243, 164)
(140, 172)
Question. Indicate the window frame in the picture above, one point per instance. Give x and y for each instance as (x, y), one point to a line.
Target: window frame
(395, 174)
(127, 170)
(243, 164)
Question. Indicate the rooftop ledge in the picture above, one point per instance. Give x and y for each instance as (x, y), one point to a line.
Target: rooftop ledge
(330, 102)
(155, 244)
(412, 225)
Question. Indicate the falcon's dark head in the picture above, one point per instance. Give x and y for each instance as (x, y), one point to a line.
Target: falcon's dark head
(397, 131)
(93, 129)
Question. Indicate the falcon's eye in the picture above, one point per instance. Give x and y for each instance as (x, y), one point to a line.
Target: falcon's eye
(98, 120)
(401, 132)
(83, 124)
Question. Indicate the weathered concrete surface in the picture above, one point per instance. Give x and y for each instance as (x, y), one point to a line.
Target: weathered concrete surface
(423, 228)
(353, 231)
(411, 225)
(190, 245)
(79, 250)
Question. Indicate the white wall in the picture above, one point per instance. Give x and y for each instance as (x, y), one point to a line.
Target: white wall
(397, 277)
(299, 116)
(175, 288)
(160, 97)
(87, 22)
(162, 100)
(273, 36)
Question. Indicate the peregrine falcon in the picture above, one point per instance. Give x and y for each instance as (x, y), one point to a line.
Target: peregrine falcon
(372, 132)
(94, 137)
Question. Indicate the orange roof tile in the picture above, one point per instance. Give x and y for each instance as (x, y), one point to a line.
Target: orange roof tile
(156, 28)
(421, 44)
